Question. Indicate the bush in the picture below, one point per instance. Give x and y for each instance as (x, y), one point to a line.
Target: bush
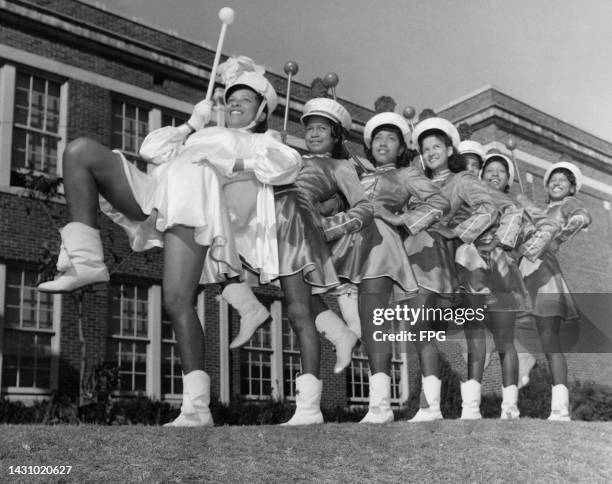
(590, 401)
(534, 398)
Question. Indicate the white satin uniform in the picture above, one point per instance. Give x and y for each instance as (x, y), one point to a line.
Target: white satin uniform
(194, 185)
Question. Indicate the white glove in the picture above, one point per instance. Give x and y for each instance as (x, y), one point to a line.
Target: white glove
(201, 115)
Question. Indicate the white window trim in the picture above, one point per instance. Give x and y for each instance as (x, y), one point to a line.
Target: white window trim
(25, 394)
(8, 74)
(224, 353)
(155, 341)
(276, 373)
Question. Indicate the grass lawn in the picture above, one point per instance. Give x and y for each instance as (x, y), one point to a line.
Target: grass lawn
(451, 451)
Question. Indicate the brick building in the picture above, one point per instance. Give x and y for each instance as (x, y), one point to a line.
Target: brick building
(68, 69)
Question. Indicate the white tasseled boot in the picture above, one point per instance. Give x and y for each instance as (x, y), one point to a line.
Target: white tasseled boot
(432, 386)
(196, 398)
(80, 261)
(252, 313)
(509, 405)
(380, 400)
(559, 405)
(349, 307)
(470, 400)
(335, 330)
(307, 401)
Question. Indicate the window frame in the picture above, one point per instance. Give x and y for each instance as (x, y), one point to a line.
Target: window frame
(30, 394)
(8, 80)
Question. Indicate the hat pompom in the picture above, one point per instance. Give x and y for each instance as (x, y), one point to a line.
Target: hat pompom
(234, 67)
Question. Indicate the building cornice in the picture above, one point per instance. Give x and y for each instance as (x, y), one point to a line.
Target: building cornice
(490, 106)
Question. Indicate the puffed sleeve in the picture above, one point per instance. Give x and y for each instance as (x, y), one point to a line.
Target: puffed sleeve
(161, 145)
(483, 210)
(510, 218)
(576, 216)
(430, 206)
(273, 162)
(361, 211)
(542, 229)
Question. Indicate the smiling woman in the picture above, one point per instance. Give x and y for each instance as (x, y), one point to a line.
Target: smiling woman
(182, 206)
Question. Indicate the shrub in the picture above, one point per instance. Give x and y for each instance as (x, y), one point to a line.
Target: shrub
(590, 401)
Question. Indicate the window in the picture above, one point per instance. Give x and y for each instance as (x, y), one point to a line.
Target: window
(171, 374)
(34, 111)
(256, 365)
(169, 119)
(357, 382)
(28, 333)
(291, 359)
(36, 119)
(129, 335)
(130, 125)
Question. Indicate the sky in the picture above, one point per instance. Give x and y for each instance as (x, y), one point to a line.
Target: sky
(555, 55)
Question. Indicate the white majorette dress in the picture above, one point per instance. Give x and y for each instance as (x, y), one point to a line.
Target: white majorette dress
(187, 188)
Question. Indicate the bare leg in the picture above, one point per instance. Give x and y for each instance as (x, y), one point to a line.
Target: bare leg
(374, 294)
(502, 327)
(89, 169)
(183, 260)
(476, 342)
(428, 351)
(298, 299)
(549, 329)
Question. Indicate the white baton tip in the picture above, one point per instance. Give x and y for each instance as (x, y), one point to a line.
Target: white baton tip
(226, 15)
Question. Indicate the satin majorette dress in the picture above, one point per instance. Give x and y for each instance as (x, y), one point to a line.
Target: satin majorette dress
(472, 211)
(379, 248)
(543, 277)
(495, 271)
(187, 187)
(303, 234)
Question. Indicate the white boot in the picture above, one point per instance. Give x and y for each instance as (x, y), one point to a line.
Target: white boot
(333, 328)
(509, 405)
(252, 313)
(559, 406)
(380, 400)
(349, 307)
(307, 401)
(432, 386)
(470, 400)
(526, 362)
(196, 398)
(80, 261)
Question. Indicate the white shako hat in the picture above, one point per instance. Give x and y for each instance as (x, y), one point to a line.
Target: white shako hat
(381, 119)
(491, 155)
(568, 166)
(242, 71)
(327, 108)
(474, 147)
(436, 124)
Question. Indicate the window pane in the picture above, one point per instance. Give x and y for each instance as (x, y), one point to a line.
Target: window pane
(22, 103)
